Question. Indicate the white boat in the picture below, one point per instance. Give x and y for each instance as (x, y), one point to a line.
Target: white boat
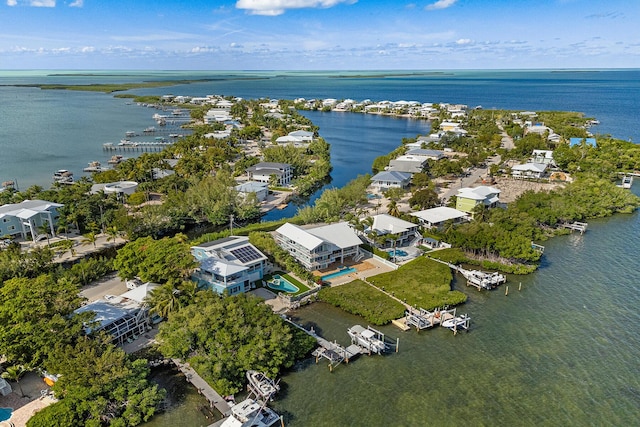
(458, 322)
(484, 280)
(263, 386)
(127, 143)
(63, 176)
(369, 339)
(627, 181)
(250, 413)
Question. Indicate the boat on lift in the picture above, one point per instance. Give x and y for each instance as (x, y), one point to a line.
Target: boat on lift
(263, 386)
(250, 413)
(63, 176)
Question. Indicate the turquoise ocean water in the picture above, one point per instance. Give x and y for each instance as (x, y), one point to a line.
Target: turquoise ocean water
(563, 350)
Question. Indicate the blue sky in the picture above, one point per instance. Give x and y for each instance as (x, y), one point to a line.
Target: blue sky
(319, 34)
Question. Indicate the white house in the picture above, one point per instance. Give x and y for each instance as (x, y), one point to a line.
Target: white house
(228, 265)
(24, 218)
(409, 164)
(317, 248)
(390, 179)
(263, 172)
(529, 170)
(427, 154)
(260, 189)
(124, 317)
(386, 224)
(542, 156)
(436, 217)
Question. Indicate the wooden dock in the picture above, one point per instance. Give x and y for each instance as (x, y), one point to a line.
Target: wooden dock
(576, 226)
(215, 400)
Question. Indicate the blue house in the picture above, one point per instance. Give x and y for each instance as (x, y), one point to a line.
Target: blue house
(23, 219)
(578, 141)
(229, 265)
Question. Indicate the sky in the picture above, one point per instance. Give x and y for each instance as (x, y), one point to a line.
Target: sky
(318, 34)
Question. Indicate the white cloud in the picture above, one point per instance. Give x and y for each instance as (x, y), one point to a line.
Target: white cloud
(278, 7)
(441, 4)
(34, 3)
(77, 3)
(42, 3)
(464, 41)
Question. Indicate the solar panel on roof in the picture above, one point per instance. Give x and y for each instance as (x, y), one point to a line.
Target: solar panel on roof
(246, 254)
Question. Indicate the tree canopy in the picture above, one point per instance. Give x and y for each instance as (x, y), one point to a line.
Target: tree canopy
(223, 337)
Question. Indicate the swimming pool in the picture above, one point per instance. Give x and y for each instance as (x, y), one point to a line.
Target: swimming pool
(398, 252)
(281, 284)
(338, 273)
(5, 413)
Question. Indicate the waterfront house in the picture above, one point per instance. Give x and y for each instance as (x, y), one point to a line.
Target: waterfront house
(124, 317)
(262, 172)
(23, 219)
(409, 164)
(317, 248)
(426, 153)
(436, 217)
(390, 179)
(260, 189)
(228, 265)
(468, 198)
(384, 224)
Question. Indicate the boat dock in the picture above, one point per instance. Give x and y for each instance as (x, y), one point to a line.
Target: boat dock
(423, 319)
(334, 352)
(482, 280)
(576, 226)
(215, 400)
(137, 146)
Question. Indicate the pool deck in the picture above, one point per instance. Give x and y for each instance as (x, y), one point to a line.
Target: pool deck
(365, 268)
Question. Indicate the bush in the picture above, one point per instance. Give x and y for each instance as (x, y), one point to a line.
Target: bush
(361, 299)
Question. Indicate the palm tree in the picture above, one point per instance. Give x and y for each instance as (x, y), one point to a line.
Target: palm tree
(112, 233)
(164, 299)
(45, 229)
(393, 209)
(90, 238)
(13, 373)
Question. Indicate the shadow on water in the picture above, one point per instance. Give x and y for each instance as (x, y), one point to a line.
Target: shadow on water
(183, 406)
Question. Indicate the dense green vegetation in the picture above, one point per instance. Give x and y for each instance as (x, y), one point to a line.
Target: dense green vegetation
(362, 299)
(223, 337)
(421, 283)
(109, 88)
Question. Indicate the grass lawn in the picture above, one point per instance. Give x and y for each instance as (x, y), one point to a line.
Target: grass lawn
(360, 298)
(421, 283)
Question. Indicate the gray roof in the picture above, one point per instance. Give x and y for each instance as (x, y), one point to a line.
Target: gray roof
(392, 176)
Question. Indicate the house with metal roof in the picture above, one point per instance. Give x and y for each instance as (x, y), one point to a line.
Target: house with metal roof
(391, 179)
(228, 265)
(468, 198)
(385, 224)
(124, 317)
(529, 170)
(317, 248)
(23, 219)
(426, 153)
(263, 171)
(260, 189)
(409, 164)
(436, 217)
